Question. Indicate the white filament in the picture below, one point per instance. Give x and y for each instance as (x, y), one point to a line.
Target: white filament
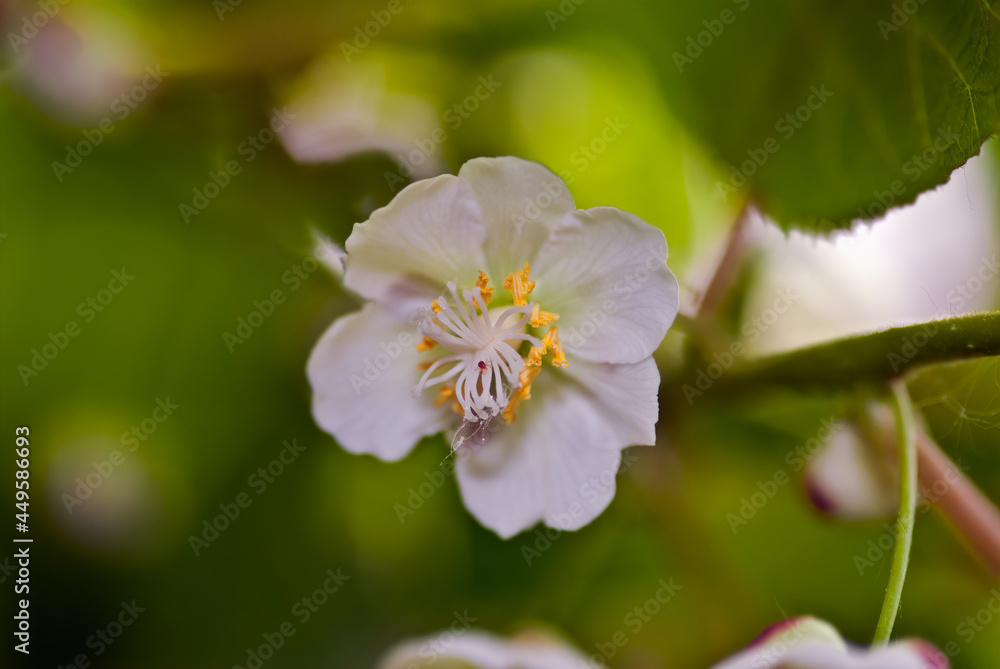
(486, 364)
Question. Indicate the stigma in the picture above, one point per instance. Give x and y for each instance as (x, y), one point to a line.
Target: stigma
(483, 358)
(483, 373)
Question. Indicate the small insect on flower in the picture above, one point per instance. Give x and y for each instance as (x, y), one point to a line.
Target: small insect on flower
(540, 379)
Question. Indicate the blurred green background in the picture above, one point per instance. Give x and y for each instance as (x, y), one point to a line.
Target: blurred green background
(565, 71)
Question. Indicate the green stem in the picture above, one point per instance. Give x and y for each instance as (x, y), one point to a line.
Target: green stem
(872, 358)
(906, 446)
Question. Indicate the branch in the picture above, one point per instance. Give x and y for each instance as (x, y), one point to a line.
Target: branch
(971, 514)
(729, 264)
(871, 359)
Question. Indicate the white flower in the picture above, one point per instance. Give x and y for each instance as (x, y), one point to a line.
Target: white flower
(344, 110)
(82, 66)
(809, 643)
(473, 649)
(441, 347)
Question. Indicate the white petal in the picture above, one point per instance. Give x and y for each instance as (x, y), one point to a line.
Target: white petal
(626, 395)
(817, 655)
(522, 203)
(462, 649)
(346, 109)
(328, 252)
(810, 643)
(604, 272)
(478, 649)
(557, 463)
(849, 480)
(430, 234)
(361, 372)
(920, 653)
(536, 649)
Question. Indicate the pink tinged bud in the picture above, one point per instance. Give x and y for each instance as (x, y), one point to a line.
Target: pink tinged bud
(774, 630)
(928, 653)
(849, 479)
(810, 643)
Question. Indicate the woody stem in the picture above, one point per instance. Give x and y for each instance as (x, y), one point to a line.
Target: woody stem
(972, 515)
(729, 264)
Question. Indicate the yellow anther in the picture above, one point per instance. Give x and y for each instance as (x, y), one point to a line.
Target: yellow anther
(436, 308)
(551, 339)
(424, 365)
(541, 318)
(444, 394)
(426, 345)
(482, 283)
(519, 285)
(526, 376)
(534, 358)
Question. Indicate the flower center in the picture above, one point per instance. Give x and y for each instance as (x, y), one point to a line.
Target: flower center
(483, 372)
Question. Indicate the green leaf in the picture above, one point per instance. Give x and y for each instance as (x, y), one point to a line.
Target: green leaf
(902, 93)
